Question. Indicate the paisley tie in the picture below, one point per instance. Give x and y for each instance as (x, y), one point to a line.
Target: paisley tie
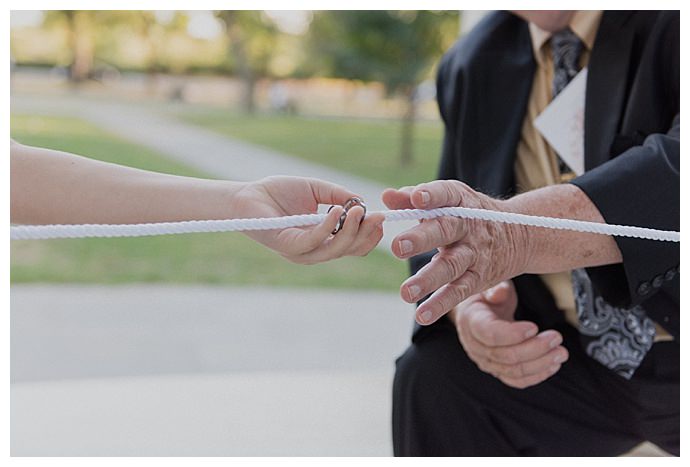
(618, 338)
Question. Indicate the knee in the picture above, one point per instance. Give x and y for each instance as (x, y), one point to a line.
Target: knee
(429, 364)
(430, 400)
(407, 368)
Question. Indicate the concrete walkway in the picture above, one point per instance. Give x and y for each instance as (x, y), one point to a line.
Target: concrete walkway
(167, 370)
(217, 155)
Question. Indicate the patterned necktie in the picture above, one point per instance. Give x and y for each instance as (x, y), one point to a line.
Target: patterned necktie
(618, 338)
(566, 48)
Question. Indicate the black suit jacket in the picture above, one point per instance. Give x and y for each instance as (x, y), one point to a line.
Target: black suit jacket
(632, 143)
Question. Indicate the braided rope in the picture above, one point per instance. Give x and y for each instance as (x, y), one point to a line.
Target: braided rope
(42, 232)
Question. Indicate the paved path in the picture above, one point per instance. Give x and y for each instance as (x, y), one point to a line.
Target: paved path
(215, 154)
(170, 370)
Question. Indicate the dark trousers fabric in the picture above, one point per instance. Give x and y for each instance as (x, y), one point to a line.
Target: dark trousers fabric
(443, 405)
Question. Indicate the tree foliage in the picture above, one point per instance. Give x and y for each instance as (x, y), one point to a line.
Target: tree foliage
(252, 40)
(396, 48)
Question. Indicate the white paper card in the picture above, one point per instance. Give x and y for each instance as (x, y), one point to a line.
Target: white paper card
(562, 123)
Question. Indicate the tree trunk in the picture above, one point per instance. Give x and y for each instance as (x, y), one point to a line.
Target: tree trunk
(408, 120)
(242, 65)
(149, 35)
(82, 46)
(248, 101)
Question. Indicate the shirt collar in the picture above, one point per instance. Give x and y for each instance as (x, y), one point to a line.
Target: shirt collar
(584, 24)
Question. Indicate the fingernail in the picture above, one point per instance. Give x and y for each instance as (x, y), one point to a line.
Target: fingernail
(553, 337)
(531, 333)
(554, 368)
(426, 197)
(426, 317)
(413, 291)
(560, 358)
(405, 246)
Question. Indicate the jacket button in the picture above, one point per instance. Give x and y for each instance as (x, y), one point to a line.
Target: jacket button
(670, 274)
(644, 288)
(658, 281)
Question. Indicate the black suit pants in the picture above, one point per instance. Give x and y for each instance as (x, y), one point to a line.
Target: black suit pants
(443, 405)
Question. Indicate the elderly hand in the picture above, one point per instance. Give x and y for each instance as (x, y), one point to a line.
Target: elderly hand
(473, 255)
(511, 351)
(285, 196)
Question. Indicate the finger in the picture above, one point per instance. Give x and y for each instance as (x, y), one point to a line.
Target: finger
(488, 329)
(369, 235)
(445, 298)
(447, 266)
(439, 193)
(528, 350)
(397, 199)
(522, 383)
(338, 244)
(428, 235)
(529, 368)
(481, 352)
(297, 242)
(330, 193)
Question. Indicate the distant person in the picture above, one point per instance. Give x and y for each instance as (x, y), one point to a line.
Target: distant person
(280, 100)
(54, 187)
(578, 354)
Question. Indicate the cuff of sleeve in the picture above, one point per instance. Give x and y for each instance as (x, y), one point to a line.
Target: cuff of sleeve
(640, 187)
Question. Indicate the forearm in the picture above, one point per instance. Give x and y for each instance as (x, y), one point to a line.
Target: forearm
(50, 186)
(550, 250)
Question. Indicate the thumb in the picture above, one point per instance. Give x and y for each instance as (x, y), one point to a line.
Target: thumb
(397, 199)
(497, 294)
(330, 193)
(438, 194)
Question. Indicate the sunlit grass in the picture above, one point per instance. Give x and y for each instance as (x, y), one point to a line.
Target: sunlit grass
(367, 148)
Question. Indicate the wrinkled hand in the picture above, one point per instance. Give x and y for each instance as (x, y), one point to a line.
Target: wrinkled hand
(473, 255)
(511, 351)
(285, 196)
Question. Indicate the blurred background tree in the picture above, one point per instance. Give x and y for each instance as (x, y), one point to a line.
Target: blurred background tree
(79, 26)
(254, 51)
(92, 33)
(396, 48)
(152, 33)
(252, 42)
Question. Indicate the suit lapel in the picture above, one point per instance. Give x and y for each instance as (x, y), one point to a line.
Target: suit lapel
(498, 111)
(606, 86)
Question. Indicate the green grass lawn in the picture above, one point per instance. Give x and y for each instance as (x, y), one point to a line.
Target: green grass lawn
(227, 258)
(367, 148)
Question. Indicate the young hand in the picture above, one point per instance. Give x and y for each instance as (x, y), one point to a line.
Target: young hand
(285, 196)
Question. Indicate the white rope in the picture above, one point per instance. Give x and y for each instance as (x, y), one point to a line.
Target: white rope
(42, 232)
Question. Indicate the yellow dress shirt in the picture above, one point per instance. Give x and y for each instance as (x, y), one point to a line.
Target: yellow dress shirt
(536, 164)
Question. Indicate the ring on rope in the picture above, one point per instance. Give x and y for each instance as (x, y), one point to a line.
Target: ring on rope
(351, 203)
